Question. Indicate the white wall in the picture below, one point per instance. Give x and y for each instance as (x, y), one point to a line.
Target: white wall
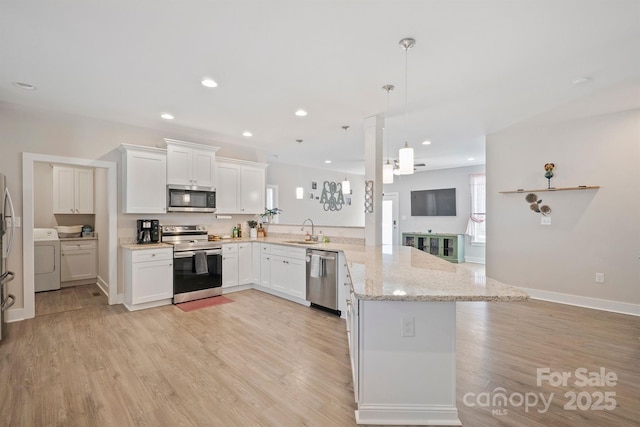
(457, 178)
(592, 230)
(295, 211)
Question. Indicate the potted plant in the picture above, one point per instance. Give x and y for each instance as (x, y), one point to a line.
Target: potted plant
(269, 213)
(267, 217)
(253, 232)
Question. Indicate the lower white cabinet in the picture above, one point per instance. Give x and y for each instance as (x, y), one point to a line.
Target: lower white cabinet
(245, 264)
(230, 264)
(265, 265)
(256, 259)
(78, 260)
(288, 270)
(148, 280)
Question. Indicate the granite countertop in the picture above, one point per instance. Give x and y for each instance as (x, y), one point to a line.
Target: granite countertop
(397, 273)
(401, 273)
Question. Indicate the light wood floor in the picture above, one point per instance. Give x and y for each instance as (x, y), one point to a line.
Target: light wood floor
(264, 361)
(67, 299)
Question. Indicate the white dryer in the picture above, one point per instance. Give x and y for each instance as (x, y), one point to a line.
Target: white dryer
(46, 259)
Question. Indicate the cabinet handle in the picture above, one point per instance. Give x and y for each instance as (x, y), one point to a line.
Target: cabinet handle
(71, 210)
(170, 265)
(153, 254)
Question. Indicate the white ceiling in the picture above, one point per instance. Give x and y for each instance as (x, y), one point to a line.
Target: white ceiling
(477, 67)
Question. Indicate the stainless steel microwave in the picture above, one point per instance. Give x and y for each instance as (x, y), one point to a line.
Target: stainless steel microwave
(190, 199)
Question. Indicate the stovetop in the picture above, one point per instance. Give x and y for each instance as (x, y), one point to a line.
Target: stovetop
(188, 238)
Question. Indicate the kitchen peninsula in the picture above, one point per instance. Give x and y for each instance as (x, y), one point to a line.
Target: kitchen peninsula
(401, 324)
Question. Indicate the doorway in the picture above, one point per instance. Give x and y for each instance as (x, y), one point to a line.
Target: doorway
(109, 233)
(390, 233)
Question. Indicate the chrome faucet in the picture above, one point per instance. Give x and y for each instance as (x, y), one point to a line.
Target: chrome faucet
(313, 236)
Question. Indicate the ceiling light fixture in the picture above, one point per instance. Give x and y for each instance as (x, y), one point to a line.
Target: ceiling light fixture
(25, 86)
(387, 168)
(327, 161)
(426, 143)
(299, 188)
(301, 113)
(247, 133)
(405, 155)
(346, 185)
(167, 116)
(471, 158)
(207, 82)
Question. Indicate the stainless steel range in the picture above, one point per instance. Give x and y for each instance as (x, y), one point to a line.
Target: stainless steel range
(197, 262)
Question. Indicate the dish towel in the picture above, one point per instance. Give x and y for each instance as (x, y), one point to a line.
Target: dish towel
(200, 263)
(315, 266)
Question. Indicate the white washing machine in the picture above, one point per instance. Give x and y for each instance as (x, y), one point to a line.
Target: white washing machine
(46, 257)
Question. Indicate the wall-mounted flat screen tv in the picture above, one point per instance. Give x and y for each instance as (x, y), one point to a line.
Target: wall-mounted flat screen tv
(434, 202)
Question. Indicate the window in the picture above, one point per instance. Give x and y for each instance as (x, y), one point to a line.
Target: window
(476, 227)
(271, 201)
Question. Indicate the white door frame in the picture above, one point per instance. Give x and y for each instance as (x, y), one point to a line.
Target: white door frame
(28, 160)
(395, 198)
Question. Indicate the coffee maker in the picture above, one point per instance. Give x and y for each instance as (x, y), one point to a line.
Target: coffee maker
(148, 231)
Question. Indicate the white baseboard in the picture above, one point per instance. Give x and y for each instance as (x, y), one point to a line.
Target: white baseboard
(477, 260)
(104, 287)
(14, 315)
(587, 302)
(281, 295)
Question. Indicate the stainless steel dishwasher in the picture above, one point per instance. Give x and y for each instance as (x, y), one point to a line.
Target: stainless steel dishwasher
(322, 279)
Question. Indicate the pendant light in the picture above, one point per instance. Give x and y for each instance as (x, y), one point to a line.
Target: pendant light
(299, 189)
(346, 185)
(405, 156)
(387, 168)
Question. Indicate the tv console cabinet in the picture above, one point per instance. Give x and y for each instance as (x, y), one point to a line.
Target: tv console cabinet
(445, 246)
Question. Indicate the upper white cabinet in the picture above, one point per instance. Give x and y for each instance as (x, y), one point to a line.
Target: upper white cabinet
(190, 164)
(144, 179)
(240, 186)
(72, 190)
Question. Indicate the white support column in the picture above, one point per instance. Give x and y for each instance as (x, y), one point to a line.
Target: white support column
(373, 172)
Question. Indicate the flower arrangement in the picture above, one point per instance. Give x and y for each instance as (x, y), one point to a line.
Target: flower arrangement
(252, 223)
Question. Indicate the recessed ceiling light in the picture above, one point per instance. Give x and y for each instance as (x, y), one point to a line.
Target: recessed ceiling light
(471, 158)
(426, 142)
(327, 161)
(209, 83)
(301, 113)
(247, 133)
(167, 116)
(26, 86)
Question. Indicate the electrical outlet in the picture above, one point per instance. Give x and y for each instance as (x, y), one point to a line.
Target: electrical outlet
(408, 327)
(17, 222)
(545, 220)
(599, 277)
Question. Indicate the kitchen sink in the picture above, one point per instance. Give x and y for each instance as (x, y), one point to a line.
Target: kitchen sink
(301, 242)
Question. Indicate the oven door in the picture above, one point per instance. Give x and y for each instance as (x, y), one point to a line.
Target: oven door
(190, 283)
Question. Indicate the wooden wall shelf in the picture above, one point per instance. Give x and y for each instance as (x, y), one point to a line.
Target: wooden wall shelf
(580, 187)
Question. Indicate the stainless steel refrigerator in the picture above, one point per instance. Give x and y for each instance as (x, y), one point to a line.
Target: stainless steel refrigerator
(6, 242)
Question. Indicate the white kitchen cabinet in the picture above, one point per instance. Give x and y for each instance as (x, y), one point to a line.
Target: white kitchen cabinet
(255, 262)
(148, 278)
(190, 164)
(288, 270)
(144, 179)
(230, 265)
(78, 261)
(245, 264)
(241, 186)
(265, 265)
(72, 190)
